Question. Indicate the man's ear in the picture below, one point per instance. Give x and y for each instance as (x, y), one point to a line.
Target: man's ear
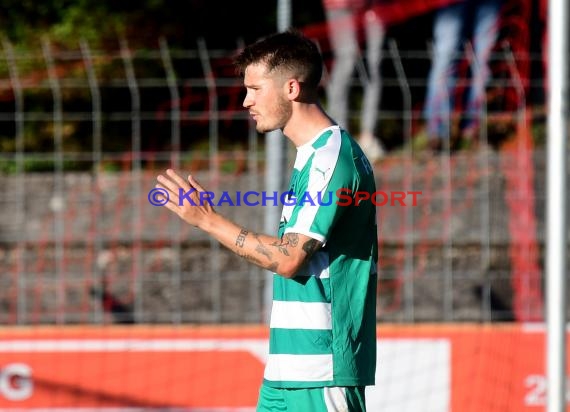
(292, 89)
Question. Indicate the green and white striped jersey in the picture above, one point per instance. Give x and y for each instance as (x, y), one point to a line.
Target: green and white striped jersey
(323, 321)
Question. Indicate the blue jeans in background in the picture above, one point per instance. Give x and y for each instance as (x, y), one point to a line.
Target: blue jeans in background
(471, 20)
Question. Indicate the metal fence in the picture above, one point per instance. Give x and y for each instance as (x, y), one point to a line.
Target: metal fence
(80, 242)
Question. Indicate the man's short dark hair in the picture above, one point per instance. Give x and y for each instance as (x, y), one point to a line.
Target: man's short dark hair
(289, 51)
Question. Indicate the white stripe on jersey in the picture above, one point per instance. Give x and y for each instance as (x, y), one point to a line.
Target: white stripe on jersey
(304, 368)
(322, 168)
(300, 315)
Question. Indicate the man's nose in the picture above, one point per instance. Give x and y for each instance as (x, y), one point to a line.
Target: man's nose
(247, 102)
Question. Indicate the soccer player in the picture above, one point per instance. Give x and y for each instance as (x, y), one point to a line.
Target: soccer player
(322, 349)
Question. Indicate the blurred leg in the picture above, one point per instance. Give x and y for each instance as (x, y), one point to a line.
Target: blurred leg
(447, 33)
(485, 33)
(375, 33)
(344, 43)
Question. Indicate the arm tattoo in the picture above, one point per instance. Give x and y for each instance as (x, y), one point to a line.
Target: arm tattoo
(272, 267)
(241, 238)
(249, 258)
(281, 247)
(290, 239)
(261, 248)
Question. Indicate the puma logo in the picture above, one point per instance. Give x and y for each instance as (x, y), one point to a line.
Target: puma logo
(323, 172)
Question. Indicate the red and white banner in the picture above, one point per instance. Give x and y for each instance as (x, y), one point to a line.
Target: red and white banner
(419, 368)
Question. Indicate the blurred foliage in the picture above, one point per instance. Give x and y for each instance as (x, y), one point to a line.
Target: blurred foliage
(27, 26)
(223, 24)
(101, 22)
(25, 22)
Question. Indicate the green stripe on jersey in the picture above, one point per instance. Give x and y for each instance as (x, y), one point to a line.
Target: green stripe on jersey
(300, 341)
(301, 288)
(298, 384)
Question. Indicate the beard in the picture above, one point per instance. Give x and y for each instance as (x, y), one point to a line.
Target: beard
(278, 118)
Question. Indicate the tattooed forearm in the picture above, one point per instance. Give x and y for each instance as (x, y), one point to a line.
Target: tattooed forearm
(261, 248)
(241, 238)
(273, 266)
(292, 239)
(249, 258)
(281, 247)
(289, 239)
(285, 254)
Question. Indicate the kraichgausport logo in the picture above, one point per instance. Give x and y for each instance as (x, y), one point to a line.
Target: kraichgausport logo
(341, 197)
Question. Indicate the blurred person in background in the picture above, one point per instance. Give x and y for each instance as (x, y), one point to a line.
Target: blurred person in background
(454, 24)
(344, 19)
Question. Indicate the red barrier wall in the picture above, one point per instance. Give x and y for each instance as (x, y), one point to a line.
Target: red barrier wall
(469, 367)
